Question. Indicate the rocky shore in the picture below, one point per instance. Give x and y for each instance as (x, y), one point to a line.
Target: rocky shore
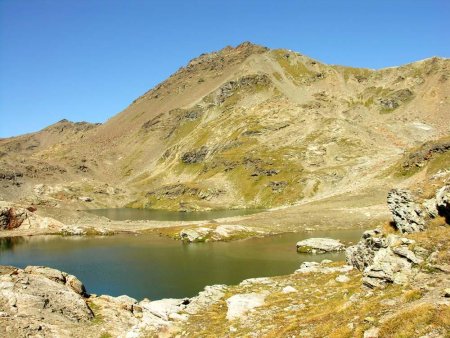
(397, 272)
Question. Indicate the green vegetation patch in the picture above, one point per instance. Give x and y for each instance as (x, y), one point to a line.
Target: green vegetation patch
(295, 68)
(432, 156)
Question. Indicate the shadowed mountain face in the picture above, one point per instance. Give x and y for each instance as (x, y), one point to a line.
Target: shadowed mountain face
(241, 127)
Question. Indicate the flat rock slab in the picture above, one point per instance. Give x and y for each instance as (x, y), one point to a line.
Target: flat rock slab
(240, 304)
(319, 245)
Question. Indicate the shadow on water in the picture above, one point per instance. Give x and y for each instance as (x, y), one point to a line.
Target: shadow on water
(8, 243)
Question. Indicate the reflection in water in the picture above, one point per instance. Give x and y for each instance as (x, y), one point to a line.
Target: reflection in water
(8, 243)
(155, 267)
(122, 214)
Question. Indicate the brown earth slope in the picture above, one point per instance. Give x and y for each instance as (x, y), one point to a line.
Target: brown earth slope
(242, 127)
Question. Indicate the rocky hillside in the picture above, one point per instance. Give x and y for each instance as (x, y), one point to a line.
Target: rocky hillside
(242, 127)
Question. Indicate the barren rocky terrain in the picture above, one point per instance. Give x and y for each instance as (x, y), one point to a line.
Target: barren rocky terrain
(246, 127)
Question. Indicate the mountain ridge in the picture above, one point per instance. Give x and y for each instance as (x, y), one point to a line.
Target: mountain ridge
(249, 126)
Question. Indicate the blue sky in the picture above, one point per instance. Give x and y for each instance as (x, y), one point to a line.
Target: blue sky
(88, 59)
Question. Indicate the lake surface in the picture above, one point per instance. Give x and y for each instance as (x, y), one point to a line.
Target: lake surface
(154, 267)
(122, 214)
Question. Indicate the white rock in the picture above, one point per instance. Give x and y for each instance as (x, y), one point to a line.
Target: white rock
(226, 230)
(319, 245)
(289, 289)
(373, 332)
(342, 279)
(240, 304)
(164, 308)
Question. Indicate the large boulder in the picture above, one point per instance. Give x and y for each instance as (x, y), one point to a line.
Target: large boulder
(406, 213)
(240, 304)
(387, 267)
(167, 308)
(383, 259)
(37, 292)
(361, 255)
(15, 217)
(58, 276)
(11, 217)
(319, 245)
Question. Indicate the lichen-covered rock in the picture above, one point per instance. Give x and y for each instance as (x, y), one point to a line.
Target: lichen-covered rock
(52, 274)
(406, 213)
(319, 245)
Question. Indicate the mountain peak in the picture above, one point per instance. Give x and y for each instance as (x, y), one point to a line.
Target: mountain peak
(247, 45)
(241, 51)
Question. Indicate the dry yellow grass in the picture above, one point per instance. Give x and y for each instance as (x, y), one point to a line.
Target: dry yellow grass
(323, 307)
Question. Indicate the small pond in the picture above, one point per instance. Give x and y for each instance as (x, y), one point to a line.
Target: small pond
(155, 267)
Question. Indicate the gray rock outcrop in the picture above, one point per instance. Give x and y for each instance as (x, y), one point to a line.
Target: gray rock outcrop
(34, 298)
(195, 156)
(430, 207)
(389, 258)
(361, 255)
(406, 213)
(384, 259)
(319, 245)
